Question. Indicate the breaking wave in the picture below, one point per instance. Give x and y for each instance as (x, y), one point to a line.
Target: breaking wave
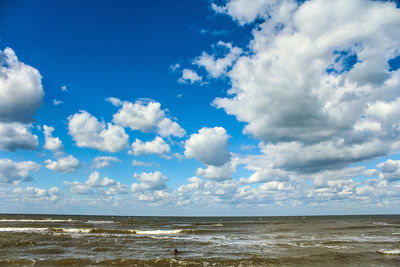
(88, 230)
(159, 232)
(389, 251)
(100, 222)
(35, 221)
(23, 229)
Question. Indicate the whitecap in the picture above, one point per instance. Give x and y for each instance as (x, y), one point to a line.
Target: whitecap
(158, 232)
(383, 224)
(336, 247)
(22, 229)
(32, 220)
(100, 222)
(390, 251)
(72, 230)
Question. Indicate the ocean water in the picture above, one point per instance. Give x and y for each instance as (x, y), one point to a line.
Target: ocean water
(55, 240)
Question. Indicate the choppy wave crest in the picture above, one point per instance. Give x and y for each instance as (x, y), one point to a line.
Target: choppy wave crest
(71, 230)
(158, 232)
(23, 229)
(89, 230)
(390, 251)
(35, 221)
(100, 222)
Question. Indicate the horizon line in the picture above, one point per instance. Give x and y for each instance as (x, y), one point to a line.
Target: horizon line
(207, 216)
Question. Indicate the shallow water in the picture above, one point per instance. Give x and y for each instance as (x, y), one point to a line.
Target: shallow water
(51, 240)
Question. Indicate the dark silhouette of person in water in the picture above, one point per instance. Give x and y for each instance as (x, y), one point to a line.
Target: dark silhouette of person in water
(175, 252)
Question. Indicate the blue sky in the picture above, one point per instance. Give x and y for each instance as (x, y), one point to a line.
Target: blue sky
(199, 107)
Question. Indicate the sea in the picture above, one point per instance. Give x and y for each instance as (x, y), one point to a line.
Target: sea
(66, 240)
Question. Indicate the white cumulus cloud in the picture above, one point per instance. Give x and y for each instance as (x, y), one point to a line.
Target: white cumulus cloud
(87, 131)
(95, 181)
(21, 94)
(149, 181)
(315, 88)
(96, 185)
(103, 161)
(14, 135)
(219, 173)
(157, 146)
(246, 11)
(12, 172)
(139, 116)
(190, 76)
(21, 91)
(145, 116)
(209, 145)
(36, 194)
(65, 164)
(390, 170)
(167, 127)
(217, 67)
(51, 143)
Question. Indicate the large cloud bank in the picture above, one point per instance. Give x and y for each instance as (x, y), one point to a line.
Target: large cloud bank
(21, 94)
(21, 91)
(316, 86)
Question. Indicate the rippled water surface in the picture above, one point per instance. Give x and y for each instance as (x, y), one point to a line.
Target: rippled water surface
(50, 240)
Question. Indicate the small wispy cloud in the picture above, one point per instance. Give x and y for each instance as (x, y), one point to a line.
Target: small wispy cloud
(141, 163)
(175, 67)
(57, 102)
(190, 76)
(116, 102)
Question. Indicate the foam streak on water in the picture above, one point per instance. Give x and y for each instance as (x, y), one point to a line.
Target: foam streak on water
(33, 220)
(158, 232)
(50, 240)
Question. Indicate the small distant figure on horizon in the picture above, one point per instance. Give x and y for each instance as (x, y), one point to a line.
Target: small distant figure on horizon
(175, 251)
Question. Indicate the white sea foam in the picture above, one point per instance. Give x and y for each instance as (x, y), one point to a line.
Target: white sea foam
(363, 239)
(395, 233)
(158, 232)
(22, 229)
(316, 245)
(42, 229)
(31, 220)
(72, 230)
(336, 247)
(100, 222)
(383, 224)
(85, 230)
(390, 251)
